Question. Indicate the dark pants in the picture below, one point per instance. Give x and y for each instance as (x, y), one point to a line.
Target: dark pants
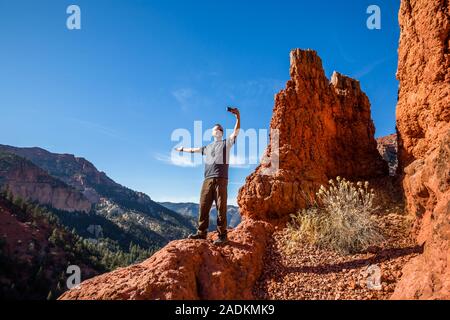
(213, 189)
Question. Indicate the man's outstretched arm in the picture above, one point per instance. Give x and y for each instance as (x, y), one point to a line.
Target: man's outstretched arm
(189, 150)
(237, 126)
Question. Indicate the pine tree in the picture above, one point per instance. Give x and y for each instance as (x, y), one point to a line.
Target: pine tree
(54, 237)
(18, 201)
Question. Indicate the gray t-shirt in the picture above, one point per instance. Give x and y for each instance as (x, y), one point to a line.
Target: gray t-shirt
(217, 158)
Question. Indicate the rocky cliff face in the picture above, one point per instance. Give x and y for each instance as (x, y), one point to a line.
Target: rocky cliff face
(23, 179)
(188, 270)
(423, 122)
(324, 130)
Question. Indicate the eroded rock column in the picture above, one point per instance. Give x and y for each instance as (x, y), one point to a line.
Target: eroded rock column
(324, 129)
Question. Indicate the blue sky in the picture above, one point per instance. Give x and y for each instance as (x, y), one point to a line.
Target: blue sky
(114, 91)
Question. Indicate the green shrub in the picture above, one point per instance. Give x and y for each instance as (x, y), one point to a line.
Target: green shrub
(340, 219)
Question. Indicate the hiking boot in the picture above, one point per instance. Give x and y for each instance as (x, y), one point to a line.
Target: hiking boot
(221, 240)
(197, 236)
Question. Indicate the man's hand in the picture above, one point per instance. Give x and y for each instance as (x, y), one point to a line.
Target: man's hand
(235, 111)
(179, 149)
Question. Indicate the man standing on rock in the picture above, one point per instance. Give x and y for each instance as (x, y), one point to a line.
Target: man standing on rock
(214, 188)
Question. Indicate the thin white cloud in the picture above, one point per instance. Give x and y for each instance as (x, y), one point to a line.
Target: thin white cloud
(238, 162)
(183, 97)
(369, 68)
(99, 128)
(363, 72)
(178, 161)
(189, 98)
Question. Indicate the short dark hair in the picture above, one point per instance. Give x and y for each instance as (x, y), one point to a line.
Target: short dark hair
(218, 125)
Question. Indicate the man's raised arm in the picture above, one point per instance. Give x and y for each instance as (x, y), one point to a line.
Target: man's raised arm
(237, 126)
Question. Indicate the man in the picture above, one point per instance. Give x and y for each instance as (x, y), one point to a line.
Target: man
(214, 188)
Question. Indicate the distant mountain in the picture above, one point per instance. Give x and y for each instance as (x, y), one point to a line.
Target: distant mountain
(25, 171)
(192, 209)
(387, 147)
(28, 181)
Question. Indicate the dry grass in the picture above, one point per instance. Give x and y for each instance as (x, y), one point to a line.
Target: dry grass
(341, 219)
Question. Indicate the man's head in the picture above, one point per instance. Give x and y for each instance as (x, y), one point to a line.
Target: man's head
(217, 131)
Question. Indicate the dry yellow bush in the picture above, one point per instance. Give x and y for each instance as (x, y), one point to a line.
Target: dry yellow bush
(340, 219)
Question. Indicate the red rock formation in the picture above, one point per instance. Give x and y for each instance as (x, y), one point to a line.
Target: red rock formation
(325, 130)
(423, 122)
(188, 269)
